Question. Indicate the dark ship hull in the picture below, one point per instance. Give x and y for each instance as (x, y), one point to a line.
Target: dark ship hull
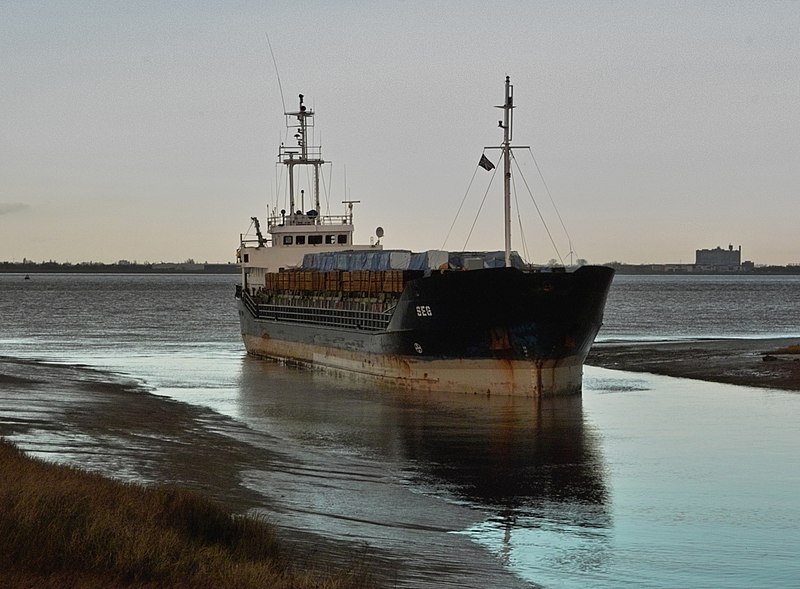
(496, 331)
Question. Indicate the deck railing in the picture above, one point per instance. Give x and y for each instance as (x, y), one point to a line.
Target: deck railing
(342, 318)
(345, 318)
(248, 301)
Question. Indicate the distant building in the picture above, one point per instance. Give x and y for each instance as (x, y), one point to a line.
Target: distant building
(719, 259)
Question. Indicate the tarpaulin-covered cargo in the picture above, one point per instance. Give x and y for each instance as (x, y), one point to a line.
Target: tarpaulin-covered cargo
(469, 260)
(429, 260)
(375, 260)
(358, 260)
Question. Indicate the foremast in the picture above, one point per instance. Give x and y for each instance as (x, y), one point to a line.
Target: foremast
(506, 124)
(508, 120)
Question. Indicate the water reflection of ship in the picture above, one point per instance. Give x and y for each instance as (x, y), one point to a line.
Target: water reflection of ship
(532, 466)
(507, 454)
(518, 457)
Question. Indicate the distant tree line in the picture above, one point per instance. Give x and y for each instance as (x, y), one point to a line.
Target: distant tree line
(123, 266)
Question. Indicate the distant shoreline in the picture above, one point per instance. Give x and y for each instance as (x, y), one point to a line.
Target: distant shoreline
(694, 270)
(96, 268)
(231, 268)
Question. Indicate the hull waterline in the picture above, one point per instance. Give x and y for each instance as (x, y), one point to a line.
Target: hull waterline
(500, 332)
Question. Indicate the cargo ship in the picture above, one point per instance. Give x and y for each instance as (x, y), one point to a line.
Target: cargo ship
(472, 322)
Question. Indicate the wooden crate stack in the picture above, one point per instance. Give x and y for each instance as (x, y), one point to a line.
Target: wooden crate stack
(356, 281)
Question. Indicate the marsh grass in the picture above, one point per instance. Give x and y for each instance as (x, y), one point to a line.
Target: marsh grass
(63, 527)
(793, 349)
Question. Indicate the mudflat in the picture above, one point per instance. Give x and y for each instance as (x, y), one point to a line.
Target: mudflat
(768, 363)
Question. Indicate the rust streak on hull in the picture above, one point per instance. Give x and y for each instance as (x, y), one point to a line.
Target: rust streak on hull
(485, 376)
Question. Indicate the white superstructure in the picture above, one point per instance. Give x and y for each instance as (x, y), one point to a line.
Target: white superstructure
(295, 233)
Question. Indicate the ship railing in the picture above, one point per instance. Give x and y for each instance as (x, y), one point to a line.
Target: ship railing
(287, 220)
(344, 318)
(254, 242)
(248, 301)
(313, 154)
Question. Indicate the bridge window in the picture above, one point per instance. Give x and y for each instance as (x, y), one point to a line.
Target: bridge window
(330, 239)
(300, 240)
(287, 240)
(341, 238)
(314, 239)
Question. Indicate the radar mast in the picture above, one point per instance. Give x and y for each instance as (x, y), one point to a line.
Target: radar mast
(301, 121)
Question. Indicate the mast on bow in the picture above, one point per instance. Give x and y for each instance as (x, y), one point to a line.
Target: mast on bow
(506, 124)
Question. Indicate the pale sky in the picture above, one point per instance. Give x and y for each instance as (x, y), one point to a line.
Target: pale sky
(148, 131)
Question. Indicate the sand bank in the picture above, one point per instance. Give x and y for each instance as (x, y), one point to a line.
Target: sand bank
(764, 363)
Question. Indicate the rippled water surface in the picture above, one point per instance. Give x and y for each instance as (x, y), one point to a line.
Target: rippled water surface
(643, 481)
(678, 307)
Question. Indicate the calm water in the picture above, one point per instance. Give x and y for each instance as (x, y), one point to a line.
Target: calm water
(665, 307)
(644, 481)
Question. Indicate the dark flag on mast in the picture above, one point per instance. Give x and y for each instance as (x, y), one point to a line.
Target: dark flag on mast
(485, 163)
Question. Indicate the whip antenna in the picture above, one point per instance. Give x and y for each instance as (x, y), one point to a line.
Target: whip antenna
(277, 75)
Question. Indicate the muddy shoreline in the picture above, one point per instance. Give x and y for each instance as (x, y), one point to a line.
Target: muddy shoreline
(747, 362)
(111, 424)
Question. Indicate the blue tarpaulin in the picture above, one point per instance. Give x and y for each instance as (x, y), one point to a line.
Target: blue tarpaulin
(375, 260)
(484, 260)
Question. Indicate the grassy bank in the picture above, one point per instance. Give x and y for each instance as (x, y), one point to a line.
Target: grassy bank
(62, 527)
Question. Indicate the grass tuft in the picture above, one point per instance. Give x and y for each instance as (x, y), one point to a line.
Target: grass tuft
(63, 527)
(793, 349)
